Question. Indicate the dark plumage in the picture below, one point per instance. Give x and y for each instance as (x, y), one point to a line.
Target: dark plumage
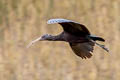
(77, 35)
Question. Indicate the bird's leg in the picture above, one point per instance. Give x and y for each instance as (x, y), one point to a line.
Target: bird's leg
(102, 46)
(32, 42)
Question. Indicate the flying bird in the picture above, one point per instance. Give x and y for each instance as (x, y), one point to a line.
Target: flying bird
(77, 35)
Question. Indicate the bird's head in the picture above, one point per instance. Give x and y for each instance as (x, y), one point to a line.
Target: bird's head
(42, 38)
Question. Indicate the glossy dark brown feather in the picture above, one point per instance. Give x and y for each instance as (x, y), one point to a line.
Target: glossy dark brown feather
(83, 50)
(71, 27)
(75, 28)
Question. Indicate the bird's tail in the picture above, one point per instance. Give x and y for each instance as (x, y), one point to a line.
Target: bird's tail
(95, 38)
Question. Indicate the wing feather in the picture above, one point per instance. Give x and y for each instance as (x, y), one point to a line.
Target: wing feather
(70, 26)
(83, 50)
(53, 21)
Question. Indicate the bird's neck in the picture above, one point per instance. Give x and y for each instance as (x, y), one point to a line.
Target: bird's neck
(55, 38)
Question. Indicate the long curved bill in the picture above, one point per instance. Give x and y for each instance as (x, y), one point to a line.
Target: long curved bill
(34, 41)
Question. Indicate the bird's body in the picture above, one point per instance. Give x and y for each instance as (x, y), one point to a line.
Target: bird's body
(77, 35)
(65, 36)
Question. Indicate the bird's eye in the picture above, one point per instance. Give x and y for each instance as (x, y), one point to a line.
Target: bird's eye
(46, 35)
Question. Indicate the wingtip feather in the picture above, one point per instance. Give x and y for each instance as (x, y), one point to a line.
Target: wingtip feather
(57, 20)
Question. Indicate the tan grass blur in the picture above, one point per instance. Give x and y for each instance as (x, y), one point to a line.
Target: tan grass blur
(22, 21)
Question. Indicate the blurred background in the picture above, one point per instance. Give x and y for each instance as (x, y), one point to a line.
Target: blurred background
(22, 21)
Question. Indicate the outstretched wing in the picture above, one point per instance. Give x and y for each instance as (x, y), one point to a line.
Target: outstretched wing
(83, 50)
(72, 27)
